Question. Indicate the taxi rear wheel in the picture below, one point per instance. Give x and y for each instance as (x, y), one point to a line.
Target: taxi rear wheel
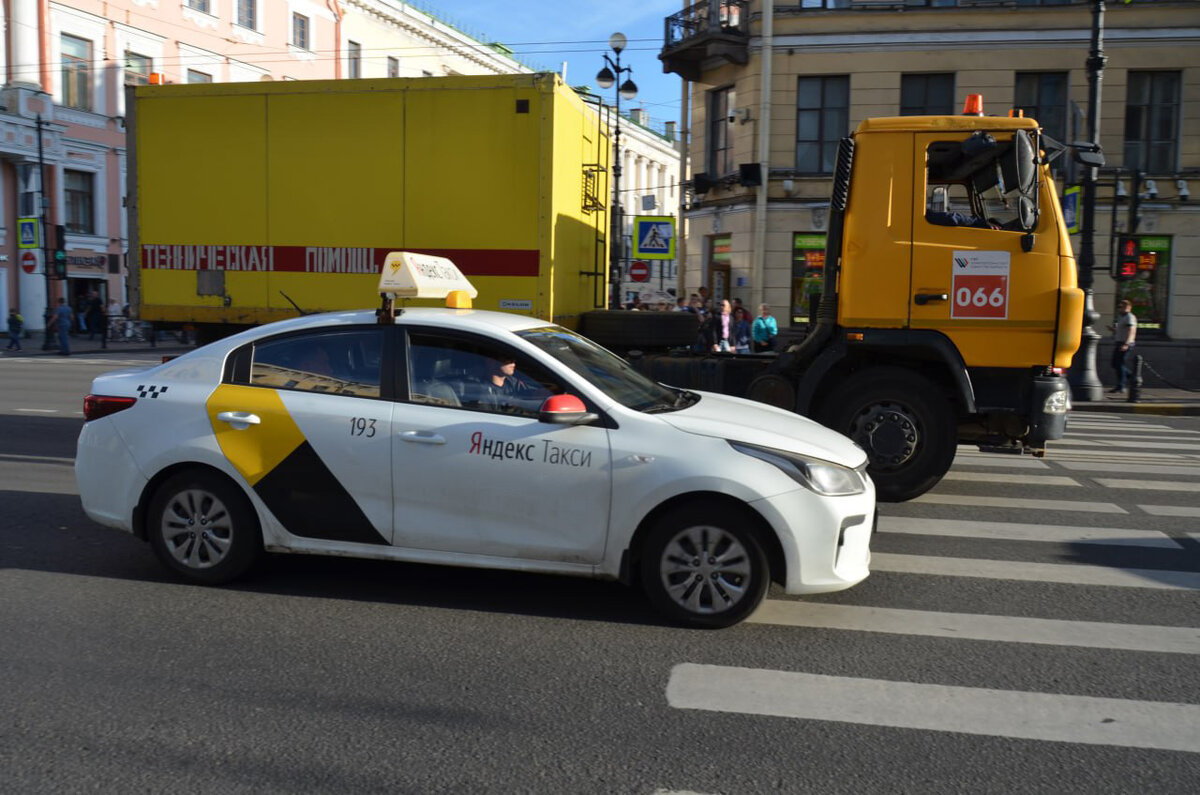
(704, 565)
(203, 528)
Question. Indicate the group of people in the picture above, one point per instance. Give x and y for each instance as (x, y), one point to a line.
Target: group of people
(728, 327)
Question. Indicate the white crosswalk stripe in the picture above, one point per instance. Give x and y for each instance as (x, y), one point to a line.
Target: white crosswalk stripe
(1122, 455)
(1033, 716)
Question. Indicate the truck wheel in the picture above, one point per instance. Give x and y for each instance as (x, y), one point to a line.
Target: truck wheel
(203, 528)
(623, 330)
(903, 422)
(703, 565)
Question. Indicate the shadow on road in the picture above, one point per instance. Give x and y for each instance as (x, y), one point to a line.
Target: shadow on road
(50, 533)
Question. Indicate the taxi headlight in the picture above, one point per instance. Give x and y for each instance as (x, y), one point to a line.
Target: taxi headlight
(823, 477)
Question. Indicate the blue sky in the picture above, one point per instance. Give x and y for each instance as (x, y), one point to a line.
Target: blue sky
(544, 33)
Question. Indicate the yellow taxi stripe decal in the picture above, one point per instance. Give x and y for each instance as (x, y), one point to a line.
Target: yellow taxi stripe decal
(257, 449)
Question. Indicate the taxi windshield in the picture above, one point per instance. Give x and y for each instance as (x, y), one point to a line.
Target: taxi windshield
(606, 371)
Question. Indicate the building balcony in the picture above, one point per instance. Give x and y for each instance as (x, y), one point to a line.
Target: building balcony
(707, 29)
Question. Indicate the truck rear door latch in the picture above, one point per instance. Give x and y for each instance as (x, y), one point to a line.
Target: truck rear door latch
(923, 298)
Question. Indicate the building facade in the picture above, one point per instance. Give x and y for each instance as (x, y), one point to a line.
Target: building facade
(772, 95)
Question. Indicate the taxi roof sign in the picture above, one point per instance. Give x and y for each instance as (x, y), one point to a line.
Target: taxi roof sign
(410, 275)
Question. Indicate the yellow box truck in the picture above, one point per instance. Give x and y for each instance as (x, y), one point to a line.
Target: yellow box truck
(251, 201)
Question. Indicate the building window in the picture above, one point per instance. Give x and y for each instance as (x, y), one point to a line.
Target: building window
(76, 72)
(822, 119)
(353, 59)
(393, 67)
(300, 31)
(247, 14)
(198, 77)
(927, 94)
(720, 151)
(1043, 96)
(78, 189)
(808, 274)
(1152, 121)
(1150, 290)
(137, 69)
(199, 5)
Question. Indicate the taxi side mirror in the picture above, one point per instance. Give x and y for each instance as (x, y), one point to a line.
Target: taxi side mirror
(565, 410)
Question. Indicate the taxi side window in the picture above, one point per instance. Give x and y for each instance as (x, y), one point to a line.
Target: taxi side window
(476, 375)
(336, 363)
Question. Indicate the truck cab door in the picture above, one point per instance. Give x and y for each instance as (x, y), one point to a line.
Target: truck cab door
(976, 284)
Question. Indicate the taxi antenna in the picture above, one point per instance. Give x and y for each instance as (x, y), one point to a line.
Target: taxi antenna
(293, 303)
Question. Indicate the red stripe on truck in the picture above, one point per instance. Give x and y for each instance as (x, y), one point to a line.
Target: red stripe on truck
(328, 259)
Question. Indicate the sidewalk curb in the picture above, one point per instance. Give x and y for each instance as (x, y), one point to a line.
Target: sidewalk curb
(1124, 407)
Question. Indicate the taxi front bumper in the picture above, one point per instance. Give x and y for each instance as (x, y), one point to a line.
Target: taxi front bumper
(825, 540)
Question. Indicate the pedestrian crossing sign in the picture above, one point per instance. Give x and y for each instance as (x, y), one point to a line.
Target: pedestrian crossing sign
(27, 233)
(653, 237)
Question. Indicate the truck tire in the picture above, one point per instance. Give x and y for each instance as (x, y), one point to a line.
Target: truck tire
(904, 423)
(625, 330)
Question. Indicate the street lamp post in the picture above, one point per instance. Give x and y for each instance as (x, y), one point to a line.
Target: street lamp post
(1085, 383)
(606, 78)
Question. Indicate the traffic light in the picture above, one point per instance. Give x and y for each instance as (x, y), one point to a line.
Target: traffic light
(1126, 264)
(59, 255)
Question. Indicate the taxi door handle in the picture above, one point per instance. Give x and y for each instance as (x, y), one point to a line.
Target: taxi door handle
(240, 420)
(923, 298)
(423, 437)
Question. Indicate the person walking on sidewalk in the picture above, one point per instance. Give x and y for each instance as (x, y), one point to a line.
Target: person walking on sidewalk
(1124, 334)
(61, 322)
(16, 325)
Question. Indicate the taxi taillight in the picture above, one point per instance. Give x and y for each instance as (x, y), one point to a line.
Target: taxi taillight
(97, 406)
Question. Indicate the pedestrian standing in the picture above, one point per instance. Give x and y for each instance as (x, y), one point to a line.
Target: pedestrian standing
(81, 308)
(1124, 333)
(720, 329)
(61, 322)
(95, 315)
(764, 330)
(114, 318)
(742, 333)
(16, 325)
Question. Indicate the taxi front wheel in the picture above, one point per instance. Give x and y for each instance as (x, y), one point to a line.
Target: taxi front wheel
(703, 565)
(203, 528)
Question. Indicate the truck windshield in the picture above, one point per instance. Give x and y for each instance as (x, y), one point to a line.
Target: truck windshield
(606, 371)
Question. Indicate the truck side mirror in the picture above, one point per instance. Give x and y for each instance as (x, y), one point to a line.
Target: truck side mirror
(1088, 154)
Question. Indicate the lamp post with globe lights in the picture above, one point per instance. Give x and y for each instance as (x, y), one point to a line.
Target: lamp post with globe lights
(606, 78)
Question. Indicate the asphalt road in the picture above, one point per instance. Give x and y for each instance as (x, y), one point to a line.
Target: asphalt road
(1028, 626)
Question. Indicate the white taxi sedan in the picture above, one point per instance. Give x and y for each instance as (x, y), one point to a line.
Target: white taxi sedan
(473, 438)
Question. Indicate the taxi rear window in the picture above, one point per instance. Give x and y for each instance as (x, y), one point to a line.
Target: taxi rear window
(337, 363)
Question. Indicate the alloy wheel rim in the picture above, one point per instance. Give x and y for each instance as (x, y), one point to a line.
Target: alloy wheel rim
(197, 529)
(705, 570)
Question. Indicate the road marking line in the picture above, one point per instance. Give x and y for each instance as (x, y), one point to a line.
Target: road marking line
(1018, 502)
(1171, 510)
(1159, 444)
(1060, 573)
(1014, 531)
(1006, 629)
(991, 477)
(977, 459)
(1147, 469)
(38, 411)
(37, 459)
(909, 705)
(1148, 485)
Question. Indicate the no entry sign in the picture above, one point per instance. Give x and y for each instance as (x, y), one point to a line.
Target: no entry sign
(640, 271)
(29, 262)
